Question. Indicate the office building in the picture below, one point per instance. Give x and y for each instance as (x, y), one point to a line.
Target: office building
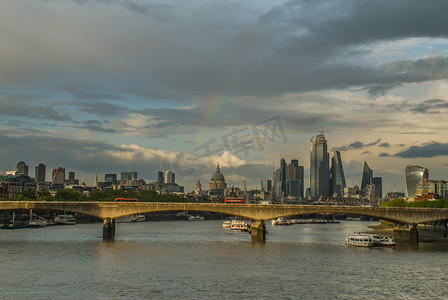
(58, 176)
(415, 176)
(294, 179)
(129, 175)
(112, 178)
(378, 183)
(337, 177)
(22, 168)
(319, 168)
(170, 177)
(71, 179)
(40, 173)
(266, 185)
(367, 176)
(160, 178)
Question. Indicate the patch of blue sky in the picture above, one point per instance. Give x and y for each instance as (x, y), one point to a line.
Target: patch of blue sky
(384, 52)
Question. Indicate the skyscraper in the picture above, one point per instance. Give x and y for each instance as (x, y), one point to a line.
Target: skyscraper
(58, 176)
(378, 183)
(111, 178)
(283, 176)
(337, 178)
(367, 176)
(415, 176)
(22, 168)
(40, 173)
(266, 185)
(294, 179)
(319, 168)
(160, 178)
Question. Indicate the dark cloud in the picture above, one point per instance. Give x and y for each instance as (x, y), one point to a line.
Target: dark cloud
(87, 92)
(356, 146)
(432, 106)
(384, 154)
(230, 48)
(384, 145)
(432, 149)
(22, 106)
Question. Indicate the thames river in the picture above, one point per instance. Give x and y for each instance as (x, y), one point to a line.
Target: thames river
(202, 260)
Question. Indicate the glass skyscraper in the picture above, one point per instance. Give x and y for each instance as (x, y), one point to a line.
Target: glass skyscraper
(337, 178)
(319, 168)
(416, 176)
(367, 176)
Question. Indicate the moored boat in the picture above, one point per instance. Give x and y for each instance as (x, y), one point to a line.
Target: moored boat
(37, 223)
(196, 218)
(65, 220)
(131, 219)
(281, 221)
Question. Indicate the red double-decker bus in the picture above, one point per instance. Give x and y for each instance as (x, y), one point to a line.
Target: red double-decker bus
(239, 200)
(126, 200)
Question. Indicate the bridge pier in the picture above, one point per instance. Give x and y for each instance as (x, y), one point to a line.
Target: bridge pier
(108, 229)
(258, 230)
(408, 232)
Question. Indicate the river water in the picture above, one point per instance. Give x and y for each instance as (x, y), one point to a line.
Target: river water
(202, 260)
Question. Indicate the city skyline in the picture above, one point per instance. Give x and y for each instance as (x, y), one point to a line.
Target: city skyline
(181, 86)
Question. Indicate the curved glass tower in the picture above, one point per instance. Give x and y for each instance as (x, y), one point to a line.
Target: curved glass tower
(416, 180)
(337, 178)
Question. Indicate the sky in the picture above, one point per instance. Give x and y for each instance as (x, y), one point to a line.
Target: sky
(147, 86)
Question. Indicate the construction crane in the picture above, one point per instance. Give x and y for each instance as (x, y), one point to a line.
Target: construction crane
(55, 173)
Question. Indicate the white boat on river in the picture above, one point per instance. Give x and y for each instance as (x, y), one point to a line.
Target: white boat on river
(65, 220)
(369, 240)
(359, 239)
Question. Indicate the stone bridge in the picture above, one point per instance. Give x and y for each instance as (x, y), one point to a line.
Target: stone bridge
(108, 211)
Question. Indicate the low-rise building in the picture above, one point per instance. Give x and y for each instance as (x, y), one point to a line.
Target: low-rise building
(14, 185)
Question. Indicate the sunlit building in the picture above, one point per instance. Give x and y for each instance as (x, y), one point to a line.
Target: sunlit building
(319, 168)
(217, 184)
(416, 180)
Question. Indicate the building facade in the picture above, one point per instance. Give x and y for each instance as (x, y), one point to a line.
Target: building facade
(13, 185)
(415, 176)
(337, 177)
(367, 176)
(319, 168)
(40, 173)
(112, 178)
(22, 168)
(217, 184)
(129, 175)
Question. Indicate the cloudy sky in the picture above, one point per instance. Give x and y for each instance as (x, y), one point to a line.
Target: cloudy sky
(120, 85)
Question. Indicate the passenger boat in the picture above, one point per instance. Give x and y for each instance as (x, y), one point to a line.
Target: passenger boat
(281, 221)
(196, 218)
(359, 239)
(226, 224)
(383, 240)
(65, 220)
(239, 226)
(131, 219)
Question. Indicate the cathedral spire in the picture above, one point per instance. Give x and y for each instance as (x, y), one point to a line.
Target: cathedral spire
(96, 179)
(217, 168)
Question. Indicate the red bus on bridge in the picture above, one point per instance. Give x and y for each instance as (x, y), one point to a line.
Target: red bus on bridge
(126, 200)
(234, 200)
